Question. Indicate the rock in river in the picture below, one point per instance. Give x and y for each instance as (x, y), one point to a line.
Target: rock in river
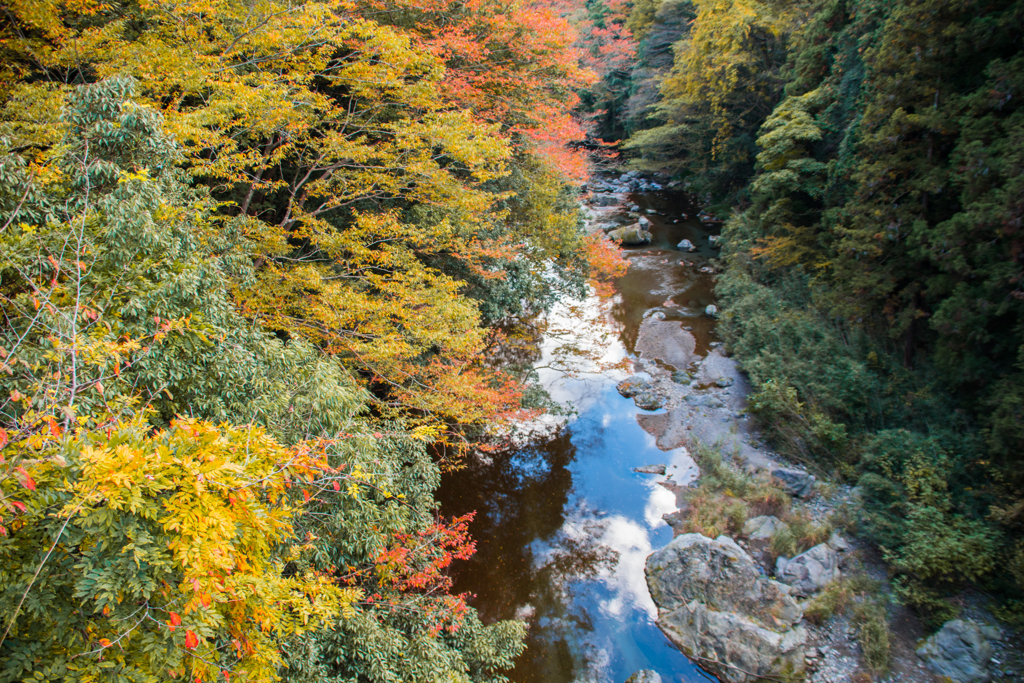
(960, 650)
(686, 245)
(648, 400)
(645, 676)
(606, 200)
(631, 235)
(650, 469)
(631, 386)
(667, 341)
(716, 607)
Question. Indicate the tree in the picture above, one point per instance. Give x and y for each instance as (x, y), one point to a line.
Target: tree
(336, 142)
(212, 553)
(725, 80)
(140, 556)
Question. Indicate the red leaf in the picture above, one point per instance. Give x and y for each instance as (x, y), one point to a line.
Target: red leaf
(26, 480)
(175, 619)
(191, 641)
(19, 505)
(305, 494)
(336, 485)
(3, 437)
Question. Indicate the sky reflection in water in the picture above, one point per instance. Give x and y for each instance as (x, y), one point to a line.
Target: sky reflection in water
(564, 527)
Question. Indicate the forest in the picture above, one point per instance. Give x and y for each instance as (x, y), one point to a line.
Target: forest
(255, 257)
(870, 158)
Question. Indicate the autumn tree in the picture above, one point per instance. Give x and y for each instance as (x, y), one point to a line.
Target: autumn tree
(141, 544)
(365, 191)
(725, 80)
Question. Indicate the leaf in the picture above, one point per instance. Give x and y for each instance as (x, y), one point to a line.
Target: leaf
(25, 479)
(191, 641)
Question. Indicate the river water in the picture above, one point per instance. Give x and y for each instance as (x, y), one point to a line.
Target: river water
(563, 524)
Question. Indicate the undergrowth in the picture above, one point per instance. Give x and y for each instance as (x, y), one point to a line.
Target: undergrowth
(725, 497)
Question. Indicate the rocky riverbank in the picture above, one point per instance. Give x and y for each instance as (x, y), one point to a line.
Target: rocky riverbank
(735, 604)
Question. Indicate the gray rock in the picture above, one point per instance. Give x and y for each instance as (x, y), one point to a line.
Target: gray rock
(795, 482)
(650, 469)
(644, 222)
(838, 543)
(681, 377)
(645, 676)
(631, 235)
(631, 386)
(714, 241)
(686, 245)
(809, 571)
(634, 207)
(711, 311)
(762, 528)
(648, 400)
(715, 606)
(606, 200)
(722, 382)
(697, 399)
(960, 650)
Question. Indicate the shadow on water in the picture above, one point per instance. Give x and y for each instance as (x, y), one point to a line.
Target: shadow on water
(563, 524)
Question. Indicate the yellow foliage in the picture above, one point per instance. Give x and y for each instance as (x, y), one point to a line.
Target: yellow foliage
(178, 538)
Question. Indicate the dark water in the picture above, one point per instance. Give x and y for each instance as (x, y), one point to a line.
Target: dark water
(563, 524)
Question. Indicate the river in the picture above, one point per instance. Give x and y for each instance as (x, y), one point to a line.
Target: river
(564, 525)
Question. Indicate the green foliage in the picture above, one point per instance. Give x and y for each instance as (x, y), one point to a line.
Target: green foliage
(137, 544)
(872, 620)
(872, 288)
(724, 82)
(140, 554)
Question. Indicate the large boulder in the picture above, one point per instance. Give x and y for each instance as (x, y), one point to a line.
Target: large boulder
(686, 245)
(667, 341)
(631, 235)
(716, 606)
(960, 651)
(809, 571)
(795, 482)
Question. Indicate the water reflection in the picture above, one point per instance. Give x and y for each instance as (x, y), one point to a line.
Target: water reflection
(563, 524)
